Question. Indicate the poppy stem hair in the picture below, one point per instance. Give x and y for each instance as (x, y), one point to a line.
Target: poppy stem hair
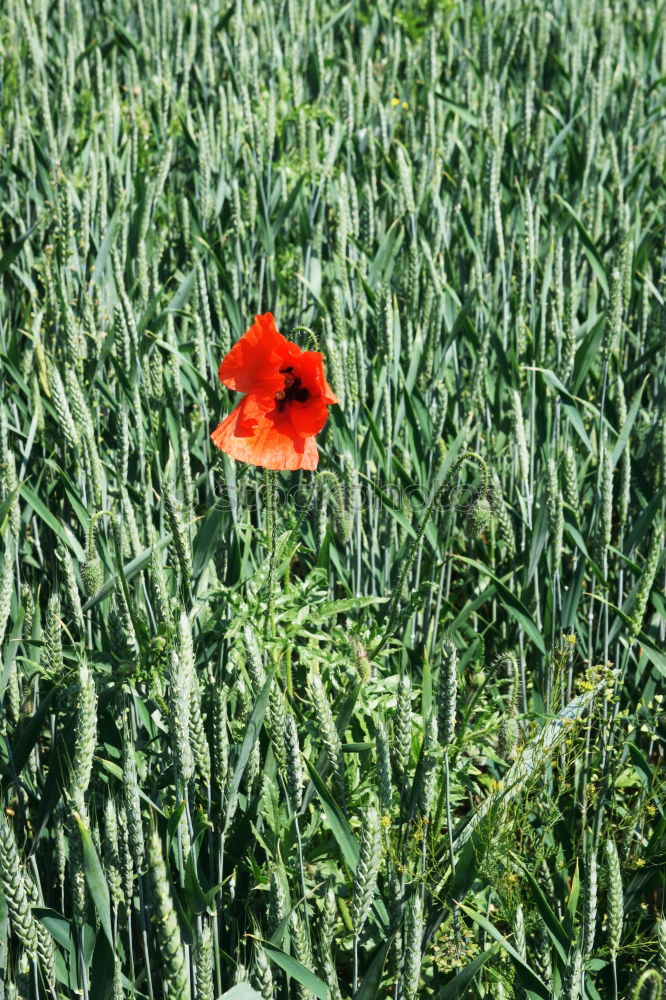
(312, 336)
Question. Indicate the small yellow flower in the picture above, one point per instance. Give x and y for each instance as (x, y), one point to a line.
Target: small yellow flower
(395, 102)
(405, 105)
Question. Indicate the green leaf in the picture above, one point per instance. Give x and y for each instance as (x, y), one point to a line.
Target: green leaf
(556, 931)
(42, 511)
(61, 930)
(641, 766)
(591, 251)
(252, 731)
(196, 897)
(297, 971)
(331, 608)
(95, 878)
(13, 250)
(572, 903)
(101, 969)
(513, 605)
(336, 820)
(459, 109)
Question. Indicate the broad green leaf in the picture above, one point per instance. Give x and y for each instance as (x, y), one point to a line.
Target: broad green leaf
(43, 512)
(297, 971)
(95, 879)
(336, 819)
(560, 938)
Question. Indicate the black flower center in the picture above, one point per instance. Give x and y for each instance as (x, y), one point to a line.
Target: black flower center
(293, 390)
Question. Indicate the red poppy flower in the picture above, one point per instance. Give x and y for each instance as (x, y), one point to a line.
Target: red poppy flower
(286, 405)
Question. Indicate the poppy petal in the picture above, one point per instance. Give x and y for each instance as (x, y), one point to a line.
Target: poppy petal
(252, 434)
(309, 417)
(254, 361)
(311, 368)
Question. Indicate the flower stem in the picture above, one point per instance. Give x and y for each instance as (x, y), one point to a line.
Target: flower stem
(271, 534)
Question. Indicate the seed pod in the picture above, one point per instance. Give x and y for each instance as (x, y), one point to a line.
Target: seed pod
(45, 949)
(645, 582)
(543, 962)
(328, 732)
(176, 973)
(555, 514)
(428, 767)
(179, 705)
(402, 726)
(590, 911)
(263, 975)
(501, 512)
(71, 588)
(180, 539)
(14, 888)
(615, 902)
(111, 844)
(277, 900)
(6, 588)
(132, 807)
(204, 974)
(413, 942)
(447, 692)
(367, 869)
(85, 739)
(571, 478)
(575, 974)
(52, 662)
(293, 763)
(220, 743)
(478, 517)
(521, 441)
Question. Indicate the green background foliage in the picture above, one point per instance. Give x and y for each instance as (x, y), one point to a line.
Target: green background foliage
(403, 738)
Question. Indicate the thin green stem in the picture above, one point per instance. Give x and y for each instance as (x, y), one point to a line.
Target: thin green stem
(271, 534)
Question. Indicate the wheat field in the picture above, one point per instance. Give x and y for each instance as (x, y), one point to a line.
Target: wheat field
(394, 728)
